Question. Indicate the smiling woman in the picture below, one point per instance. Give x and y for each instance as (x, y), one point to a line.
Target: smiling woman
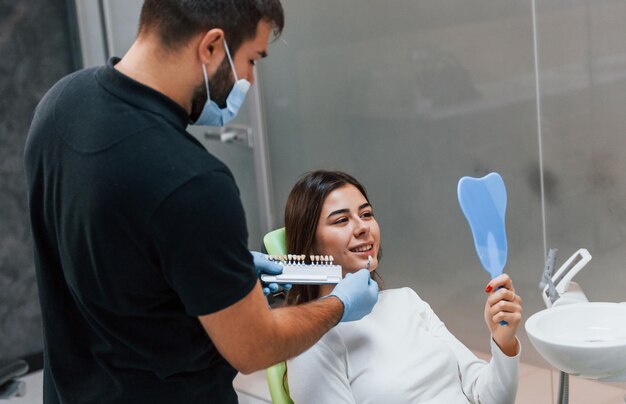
(347, 228)
(329, 213)
(401, 351)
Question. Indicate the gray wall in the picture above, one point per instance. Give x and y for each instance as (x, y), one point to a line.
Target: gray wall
(35, 53)
(409, 96)
(582, 53)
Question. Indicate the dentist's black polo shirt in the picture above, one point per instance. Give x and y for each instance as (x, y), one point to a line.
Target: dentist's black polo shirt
(137, 231)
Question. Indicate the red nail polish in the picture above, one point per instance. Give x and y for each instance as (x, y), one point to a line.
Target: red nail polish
(488, 289)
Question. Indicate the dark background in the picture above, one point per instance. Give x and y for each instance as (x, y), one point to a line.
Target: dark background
(36, 50)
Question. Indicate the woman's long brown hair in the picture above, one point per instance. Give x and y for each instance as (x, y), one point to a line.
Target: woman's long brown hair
(302, 213)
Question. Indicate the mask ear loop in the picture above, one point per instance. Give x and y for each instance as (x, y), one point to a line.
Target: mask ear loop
(206, 81)
(230, 60)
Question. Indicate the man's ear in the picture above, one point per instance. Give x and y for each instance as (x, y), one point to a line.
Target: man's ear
(211, 47)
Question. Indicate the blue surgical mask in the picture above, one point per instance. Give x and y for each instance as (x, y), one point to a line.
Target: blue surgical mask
(212, 114)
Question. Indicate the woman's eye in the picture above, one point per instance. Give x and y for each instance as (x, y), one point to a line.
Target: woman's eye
(340, 220)
(367, 214)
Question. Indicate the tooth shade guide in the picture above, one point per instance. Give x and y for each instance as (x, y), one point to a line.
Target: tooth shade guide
(297, 271)
(301, 259)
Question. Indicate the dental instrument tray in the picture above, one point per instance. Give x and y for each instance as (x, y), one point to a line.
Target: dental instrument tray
(321, 270)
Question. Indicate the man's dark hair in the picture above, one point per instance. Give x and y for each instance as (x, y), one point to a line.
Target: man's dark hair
(177, 21)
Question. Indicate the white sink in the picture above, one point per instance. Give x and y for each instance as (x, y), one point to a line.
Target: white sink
(584, 339)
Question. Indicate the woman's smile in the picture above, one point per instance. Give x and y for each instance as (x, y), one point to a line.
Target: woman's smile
(363, 248)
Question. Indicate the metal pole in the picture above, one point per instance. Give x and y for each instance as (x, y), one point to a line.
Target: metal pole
(563, 389)
(262, 167)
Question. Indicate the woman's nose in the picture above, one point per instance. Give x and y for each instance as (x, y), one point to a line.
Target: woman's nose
(361, 228)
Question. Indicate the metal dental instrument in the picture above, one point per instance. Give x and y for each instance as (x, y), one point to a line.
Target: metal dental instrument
(548, 272)
(369, 261)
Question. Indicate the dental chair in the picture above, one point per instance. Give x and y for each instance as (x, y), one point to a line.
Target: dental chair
(9, 372)
(275, 244)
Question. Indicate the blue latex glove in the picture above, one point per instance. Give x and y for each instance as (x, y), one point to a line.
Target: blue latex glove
(358, 293)
(265, 266)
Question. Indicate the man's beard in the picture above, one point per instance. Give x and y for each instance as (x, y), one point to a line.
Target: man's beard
(219, 86)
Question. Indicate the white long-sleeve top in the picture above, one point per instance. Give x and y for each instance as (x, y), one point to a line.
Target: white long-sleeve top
(400, 353)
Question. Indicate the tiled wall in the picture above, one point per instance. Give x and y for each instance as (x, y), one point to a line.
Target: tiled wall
(34, 53)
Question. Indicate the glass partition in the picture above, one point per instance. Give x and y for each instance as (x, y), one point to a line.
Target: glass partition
(409, 97)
